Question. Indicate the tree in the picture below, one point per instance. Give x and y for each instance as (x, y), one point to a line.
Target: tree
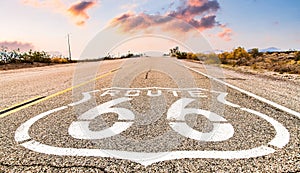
(174, 51)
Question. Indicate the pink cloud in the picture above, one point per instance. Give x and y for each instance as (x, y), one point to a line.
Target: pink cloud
(199, 14)
(14, 45)
(197, 2)
(79, 11)
(226, 34)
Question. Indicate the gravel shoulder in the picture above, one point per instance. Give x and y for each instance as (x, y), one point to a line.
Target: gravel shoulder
(280, 88)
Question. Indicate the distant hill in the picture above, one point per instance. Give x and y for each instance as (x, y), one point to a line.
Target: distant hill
(270, 49)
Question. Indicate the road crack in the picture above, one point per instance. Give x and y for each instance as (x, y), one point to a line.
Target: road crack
(147, 74)
(52, 166)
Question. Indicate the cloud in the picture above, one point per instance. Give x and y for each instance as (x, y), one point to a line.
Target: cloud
(196, 2)
(14, 45)
(226, 33)
(79, 11)
(195, 8)
(191, 14)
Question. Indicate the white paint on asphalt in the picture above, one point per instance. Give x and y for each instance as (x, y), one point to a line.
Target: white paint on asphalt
(155, 92)
(158, 88)
(282, 136)
(178, 112)
(220, 132)
(86, 97)
(123, 114)
(22, 132)
(151, 94)
(147, 158)
(221, 98)
(283, 108)
(80, 129)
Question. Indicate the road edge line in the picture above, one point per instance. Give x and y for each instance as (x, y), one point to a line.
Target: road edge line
(276, 105)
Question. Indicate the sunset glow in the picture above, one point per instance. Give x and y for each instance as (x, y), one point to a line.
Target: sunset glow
(226, 24)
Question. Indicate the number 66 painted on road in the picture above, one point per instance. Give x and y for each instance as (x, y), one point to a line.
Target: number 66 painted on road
(176, 115)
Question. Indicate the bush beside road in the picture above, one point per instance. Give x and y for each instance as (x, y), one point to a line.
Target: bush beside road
(16, 59)
(281, 62)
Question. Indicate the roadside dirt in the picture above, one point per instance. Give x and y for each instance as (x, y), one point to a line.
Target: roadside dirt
(23, 65)
(263, 72)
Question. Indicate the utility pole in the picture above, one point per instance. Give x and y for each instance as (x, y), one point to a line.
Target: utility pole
(70, 57)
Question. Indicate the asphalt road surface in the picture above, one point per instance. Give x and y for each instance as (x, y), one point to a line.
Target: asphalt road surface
(154, 114)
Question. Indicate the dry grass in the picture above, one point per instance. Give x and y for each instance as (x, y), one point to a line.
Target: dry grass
(282, 62)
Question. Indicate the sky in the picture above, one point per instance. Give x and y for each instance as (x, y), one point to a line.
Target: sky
(117, 26)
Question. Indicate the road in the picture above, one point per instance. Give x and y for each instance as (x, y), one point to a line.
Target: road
(154, 114)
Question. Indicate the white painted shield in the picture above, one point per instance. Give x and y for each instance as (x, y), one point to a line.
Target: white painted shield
(223, 132)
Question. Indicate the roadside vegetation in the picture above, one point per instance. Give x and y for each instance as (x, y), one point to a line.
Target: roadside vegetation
(129, 55)
(16, 59)
(282, 62)
(109, 57)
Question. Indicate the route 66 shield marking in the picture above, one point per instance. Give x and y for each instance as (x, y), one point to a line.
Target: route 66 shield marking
(222, 131)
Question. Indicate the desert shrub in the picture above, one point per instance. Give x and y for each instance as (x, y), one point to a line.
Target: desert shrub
(286, 68)
(240, 53)
(282, 68)
(7, 57)
(36, 56)
(297, 56)
(59, 60)
(241, 61)
(192, 56)
(201, 56)
(42, 57)
(15, 56)
(226, 55)
(255, 52)
(181, 55)
(212, 58)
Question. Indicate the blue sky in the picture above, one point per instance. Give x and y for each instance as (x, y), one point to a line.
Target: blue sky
(44, 24)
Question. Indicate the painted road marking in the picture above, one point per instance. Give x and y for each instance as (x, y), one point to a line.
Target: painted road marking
(178, 112)
(282, 134)
(283, 108)
(80, 129)
(155, 92)
(22, 132)
(221, 98)
(19, 106)
(147, 158)
(44, 98)
(86, 97)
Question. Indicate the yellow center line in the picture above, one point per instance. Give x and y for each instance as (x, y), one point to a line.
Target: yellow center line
(53, 95)
(17, 104)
